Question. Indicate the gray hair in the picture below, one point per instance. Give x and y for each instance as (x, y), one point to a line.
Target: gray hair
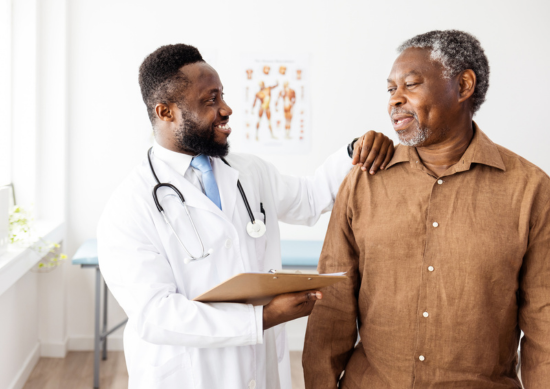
(456, 51)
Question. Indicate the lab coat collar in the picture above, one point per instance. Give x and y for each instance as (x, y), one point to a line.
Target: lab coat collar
(226, 178)
(178, 161)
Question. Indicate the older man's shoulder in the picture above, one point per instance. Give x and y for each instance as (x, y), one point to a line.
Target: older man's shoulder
(515, 163)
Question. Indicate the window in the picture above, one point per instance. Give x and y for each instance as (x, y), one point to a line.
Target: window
(5, 92)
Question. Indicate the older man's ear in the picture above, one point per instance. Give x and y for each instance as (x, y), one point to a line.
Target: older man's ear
(467, 84)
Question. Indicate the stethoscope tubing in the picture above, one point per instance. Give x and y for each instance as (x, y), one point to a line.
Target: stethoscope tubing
(243, 195)
(180, 195)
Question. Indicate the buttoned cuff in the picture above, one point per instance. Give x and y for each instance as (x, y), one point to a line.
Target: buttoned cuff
(259, 312)
(344, 156)
(350, 147)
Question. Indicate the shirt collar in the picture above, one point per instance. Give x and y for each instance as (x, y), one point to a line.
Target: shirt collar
(178, 161)
(481, 150)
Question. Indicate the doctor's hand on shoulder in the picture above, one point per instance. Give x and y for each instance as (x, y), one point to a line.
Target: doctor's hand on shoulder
(372, 151)
(289, 306)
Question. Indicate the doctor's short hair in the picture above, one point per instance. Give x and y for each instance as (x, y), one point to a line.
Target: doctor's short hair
(159, 77)
(456, 51)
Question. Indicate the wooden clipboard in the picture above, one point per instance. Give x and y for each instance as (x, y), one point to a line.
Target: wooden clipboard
(260, 288)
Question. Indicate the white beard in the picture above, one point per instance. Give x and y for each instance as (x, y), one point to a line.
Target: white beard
(419, 137)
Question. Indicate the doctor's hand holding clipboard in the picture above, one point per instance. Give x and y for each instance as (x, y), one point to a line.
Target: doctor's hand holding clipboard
(192, 215)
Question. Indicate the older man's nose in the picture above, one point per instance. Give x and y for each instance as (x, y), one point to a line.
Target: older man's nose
(397, 99)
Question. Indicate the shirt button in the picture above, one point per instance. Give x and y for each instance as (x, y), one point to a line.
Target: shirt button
(228, 243)
(425, 314)
(440, 182)
(421, 358)
(430, 268)
(252, 384)
(436, 224)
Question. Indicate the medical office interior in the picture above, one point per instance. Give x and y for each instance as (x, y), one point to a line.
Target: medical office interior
(73, 125)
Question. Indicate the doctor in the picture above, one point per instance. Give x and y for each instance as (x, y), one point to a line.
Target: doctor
(156, 259)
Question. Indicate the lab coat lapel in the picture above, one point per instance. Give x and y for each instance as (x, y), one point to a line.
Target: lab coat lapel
(227, 178)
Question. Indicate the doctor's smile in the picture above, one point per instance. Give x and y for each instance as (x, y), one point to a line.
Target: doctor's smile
(223, 128)
(199, 216)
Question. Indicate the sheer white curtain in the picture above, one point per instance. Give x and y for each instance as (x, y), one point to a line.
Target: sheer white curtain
(5, 92)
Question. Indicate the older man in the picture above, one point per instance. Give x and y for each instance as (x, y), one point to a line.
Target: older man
(447, 252)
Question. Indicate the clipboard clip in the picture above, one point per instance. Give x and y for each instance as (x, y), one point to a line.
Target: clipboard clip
(273, 271)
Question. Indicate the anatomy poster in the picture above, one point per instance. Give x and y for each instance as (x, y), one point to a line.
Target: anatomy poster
(276, 103)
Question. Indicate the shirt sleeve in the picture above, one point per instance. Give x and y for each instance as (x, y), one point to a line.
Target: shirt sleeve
(331, 331)
(302, 200)
(141, 279)
(534, 305)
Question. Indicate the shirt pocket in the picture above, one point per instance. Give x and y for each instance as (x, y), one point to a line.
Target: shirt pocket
(176, 372)
(261, 242)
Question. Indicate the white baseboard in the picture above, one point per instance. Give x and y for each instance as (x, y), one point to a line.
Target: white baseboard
(23, 374)
(54, 349)
(86, 343)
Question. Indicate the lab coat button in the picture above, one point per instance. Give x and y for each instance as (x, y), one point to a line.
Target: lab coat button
(252, 384)
(228, 243)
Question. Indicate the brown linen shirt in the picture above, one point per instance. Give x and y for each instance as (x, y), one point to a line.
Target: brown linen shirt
(443, 274)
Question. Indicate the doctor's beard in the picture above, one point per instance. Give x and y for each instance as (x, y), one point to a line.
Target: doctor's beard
(191, 136)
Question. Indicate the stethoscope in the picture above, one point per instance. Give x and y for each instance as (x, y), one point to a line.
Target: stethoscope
(255, 228)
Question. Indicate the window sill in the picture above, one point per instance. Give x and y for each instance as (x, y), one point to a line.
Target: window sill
(17, 261)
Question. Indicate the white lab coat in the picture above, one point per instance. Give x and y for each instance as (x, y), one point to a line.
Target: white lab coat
(171, 341)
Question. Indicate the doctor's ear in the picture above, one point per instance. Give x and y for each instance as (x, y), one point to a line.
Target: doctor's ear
(164, 113)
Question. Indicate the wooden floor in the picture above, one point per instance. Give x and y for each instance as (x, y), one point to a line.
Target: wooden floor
(76, 372)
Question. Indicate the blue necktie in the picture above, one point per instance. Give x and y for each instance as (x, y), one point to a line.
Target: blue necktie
(202, 164)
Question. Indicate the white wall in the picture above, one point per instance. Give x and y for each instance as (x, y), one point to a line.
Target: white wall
(33, 308)
(19, 335)
(352, 44)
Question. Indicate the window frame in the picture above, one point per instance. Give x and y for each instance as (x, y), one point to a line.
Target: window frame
(5, 92)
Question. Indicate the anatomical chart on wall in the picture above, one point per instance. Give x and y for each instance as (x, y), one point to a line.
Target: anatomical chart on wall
(276, 103)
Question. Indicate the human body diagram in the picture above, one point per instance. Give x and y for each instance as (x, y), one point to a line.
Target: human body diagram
(289, 99)
(264, 95)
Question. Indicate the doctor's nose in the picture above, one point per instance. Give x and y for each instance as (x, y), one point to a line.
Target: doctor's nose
(225, 110)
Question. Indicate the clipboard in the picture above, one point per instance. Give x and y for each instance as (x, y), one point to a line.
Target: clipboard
(261, 288)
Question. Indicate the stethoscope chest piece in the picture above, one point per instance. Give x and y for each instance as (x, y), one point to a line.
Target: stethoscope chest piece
(256, 229)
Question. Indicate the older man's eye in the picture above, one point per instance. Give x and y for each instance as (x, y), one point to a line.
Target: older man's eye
(411, 85)
(391, 90)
